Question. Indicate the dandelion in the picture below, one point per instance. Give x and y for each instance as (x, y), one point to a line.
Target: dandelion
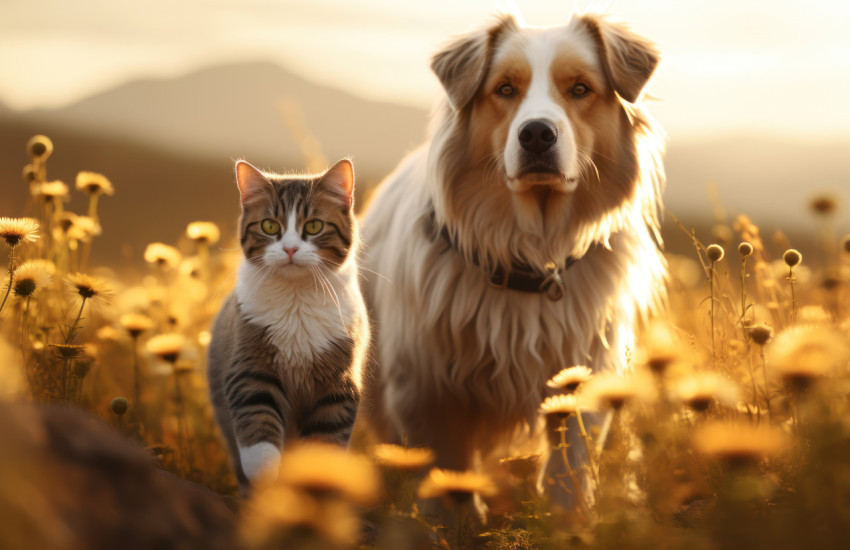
(136, 323)
(52, 191)
(17, 231)
(614, 391)
(321, 469)
(803, 354)
(570, 379)
(94, 184)
(456, 484)
(521, 466)
(203, 232)
(761, 334)
(88, 287)
(714, 252)
(561, 406)
(166, 346)
(700, 390)
(745, 249)
(31, 276)
(39, 148)
(739, 443)
(279, 516)
(81, 228)
(792, 258)
(30, 174)
(659, 348)
(162, 255)
(401, 458)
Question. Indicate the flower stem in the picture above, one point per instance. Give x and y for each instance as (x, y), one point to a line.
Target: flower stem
(11, 276)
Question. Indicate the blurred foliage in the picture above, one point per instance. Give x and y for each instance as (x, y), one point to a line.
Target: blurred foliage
(733, 431)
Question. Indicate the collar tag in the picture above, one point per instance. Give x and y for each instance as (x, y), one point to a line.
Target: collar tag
(553, 285)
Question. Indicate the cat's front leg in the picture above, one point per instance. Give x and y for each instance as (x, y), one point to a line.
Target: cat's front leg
(331, 418)
(257, 403)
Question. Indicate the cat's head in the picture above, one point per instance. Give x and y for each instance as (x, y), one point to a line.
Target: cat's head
(294, 223)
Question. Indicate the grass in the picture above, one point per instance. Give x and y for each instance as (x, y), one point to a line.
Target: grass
(733, 431)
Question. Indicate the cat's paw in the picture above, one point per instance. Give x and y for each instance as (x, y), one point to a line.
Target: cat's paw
(260, 462)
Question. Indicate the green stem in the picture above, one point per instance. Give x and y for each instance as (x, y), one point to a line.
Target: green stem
(137, 383)
(793, 296)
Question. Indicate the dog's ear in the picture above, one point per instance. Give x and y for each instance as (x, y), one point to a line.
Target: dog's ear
(628, 59)
(462, 65)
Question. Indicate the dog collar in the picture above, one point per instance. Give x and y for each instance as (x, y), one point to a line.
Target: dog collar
(519, 275)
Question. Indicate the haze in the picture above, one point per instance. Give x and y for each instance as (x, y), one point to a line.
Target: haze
(755, 66)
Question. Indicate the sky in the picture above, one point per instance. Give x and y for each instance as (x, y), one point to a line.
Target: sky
(780, 67)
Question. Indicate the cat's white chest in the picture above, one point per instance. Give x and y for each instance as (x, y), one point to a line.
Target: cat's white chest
(301, 318)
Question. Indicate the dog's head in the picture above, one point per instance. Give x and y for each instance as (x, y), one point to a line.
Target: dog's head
(543, 120)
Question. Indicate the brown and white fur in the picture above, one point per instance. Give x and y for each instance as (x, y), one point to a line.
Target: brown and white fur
(461, 364)
(288, 345)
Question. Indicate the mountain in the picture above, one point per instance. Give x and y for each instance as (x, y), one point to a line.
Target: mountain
(249, 111)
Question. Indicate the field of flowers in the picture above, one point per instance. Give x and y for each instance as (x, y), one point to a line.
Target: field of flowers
(731, 430)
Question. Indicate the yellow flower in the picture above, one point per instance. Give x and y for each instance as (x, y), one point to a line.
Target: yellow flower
(88, 287)
(616, 390)
(83, 228)
(802, 354)
(456, 484)
(659, 348)
(18, 230)
(397, 457)
(321, 468)
(136, 323)
(203, 231)
(94, 184)
(166, 346)
(561, 405)
(739, 442)
(570, 379)
(700, 389)
(162, 255)
(52, 190)
(32, 275)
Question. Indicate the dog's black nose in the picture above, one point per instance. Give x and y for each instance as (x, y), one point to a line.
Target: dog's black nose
(537, 136)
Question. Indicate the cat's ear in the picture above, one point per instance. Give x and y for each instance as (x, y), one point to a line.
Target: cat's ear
(338, 181)
(252, 184)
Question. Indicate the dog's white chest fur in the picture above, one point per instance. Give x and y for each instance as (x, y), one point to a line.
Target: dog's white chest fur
(300, 315)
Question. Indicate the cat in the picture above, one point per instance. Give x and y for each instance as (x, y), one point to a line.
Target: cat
(289, 343)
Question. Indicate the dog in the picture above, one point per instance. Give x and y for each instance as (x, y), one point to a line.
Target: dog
(520, 239)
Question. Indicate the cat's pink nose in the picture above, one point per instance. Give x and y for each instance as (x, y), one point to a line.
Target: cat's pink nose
(291, 251)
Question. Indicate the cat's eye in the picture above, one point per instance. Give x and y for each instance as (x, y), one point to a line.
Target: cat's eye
(270, 227)
(312, 227)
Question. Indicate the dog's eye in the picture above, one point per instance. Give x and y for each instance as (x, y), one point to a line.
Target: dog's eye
(506, 90)
(579, 90)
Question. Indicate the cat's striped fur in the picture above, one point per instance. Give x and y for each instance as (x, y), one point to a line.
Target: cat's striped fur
(288, 344)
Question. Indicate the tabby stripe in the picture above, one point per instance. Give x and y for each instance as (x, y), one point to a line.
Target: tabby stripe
(339, 426)
(240, 375)
(346, 241)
